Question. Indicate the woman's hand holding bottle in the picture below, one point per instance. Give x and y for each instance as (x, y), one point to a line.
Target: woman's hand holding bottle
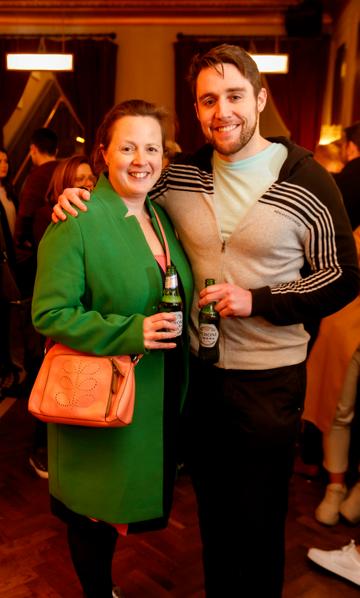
(159, 329)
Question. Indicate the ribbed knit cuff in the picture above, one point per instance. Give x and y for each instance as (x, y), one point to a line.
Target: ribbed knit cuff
(261, 301)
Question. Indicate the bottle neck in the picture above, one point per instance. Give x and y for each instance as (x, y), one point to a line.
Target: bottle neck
(209, 308)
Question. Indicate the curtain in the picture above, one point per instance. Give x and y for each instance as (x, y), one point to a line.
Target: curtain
(90, 88)
(298, 95)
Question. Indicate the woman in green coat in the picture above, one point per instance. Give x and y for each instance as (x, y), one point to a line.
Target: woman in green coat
(98, 286)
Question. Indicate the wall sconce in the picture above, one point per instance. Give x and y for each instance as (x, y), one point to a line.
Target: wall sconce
(39, 62)
(272, 63)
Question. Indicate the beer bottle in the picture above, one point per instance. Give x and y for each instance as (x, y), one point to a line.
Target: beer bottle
(171, 302)
(209, 321)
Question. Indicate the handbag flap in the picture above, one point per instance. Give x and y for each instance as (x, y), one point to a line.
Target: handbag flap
(83, 389)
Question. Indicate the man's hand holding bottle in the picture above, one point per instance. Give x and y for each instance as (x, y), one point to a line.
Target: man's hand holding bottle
(231, 301)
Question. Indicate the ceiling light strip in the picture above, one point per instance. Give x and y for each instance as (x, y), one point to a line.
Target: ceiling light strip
(272, 63)
(39, 62)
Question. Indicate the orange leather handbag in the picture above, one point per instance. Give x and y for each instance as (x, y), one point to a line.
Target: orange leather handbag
(85, 390)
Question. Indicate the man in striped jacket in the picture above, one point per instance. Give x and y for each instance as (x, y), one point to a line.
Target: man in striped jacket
(267, 222)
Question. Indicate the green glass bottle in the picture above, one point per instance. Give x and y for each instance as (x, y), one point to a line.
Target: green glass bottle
(171, 301)
(209, 322)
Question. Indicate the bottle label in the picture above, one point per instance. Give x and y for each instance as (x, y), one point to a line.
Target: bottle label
(208, 335)
(178, 322)
(171, 282)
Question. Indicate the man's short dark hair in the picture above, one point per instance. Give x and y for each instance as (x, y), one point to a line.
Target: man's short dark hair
(45, 140)
(226, 54)
(352, 133)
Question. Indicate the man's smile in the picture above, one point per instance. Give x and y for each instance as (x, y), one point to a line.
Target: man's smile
(225, 128)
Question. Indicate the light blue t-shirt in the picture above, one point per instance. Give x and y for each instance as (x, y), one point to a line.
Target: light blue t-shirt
(238, 185)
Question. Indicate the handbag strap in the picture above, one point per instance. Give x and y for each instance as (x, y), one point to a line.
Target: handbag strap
(166, 245)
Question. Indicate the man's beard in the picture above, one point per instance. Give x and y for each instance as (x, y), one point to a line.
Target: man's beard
(233, 147)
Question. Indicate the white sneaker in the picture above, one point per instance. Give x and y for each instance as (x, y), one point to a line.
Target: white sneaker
(344, 562)
(350, 508)
(329, 508)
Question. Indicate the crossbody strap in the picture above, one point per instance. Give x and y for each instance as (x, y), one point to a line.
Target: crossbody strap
(167, 250)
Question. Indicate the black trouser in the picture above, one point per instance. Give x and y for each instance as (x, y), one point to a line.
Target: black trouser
(92, 548)
(243, 427)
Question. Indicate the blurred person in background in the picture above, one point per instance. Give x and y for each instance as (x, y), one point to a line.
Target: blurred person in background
(7, 193)
(11, 369)
(348, 180)
(75, 171)
(329, 155)
(331, 398)
(26, 344)
(69, 172)
(42, 151)
(333, 367)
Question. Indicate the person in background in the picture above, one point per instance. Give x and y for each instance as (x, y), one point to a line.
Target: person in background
(69, 172)
(98, 286)
(334, 365)
(267, 222)
(75, 171)
(346, 560)
(11, 371)
(7, 193)
(333, 372)
(43, 150)
(348, 180)
(329, 156)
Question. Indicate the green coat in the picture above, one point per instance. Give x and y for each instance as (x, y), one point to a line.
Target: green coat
(96, 281)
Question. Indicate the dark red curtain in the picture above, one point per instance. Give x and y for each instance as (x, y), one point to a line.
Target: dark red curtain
(12, 83)
(298, 95)
(90, 88)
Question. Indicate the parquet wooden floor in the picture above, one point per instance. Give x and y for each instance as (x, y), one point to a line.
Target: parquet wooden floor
(34, 561)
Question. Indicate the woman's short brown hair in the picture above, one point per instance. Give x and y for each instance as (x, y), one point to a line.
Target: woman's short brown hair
(127, 108)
